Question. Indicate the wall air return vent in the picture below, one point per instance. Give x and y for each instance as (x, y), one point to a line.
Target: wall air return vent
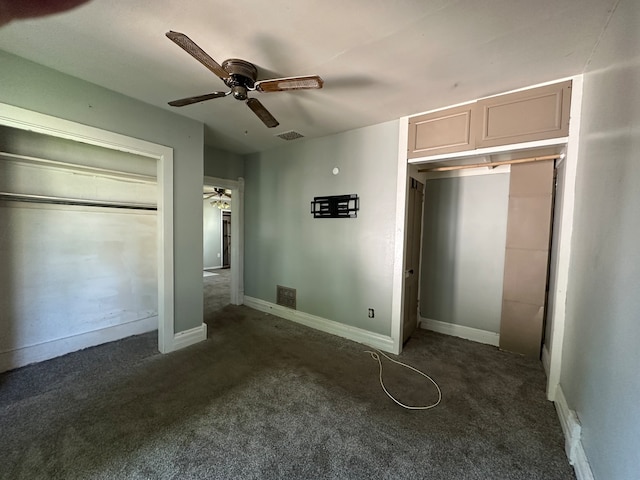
(290, 135)
(286, 296)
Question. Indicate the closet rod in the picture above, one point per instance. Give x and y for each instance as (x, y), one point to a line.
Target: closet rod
(492, 164)
(20, 197)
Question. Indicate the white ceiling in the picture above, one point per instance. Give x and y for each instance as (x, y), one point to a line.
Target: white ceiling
(380, 59)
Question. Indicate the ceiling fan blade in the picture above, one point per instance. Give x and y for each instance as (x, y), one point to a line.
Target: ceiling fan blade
(262, 113)
(200, 98)
(289, 83)
(196, 52)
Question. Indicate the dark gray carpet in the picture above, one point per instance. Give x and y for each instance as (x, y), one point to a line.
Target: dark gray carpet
(267, 398)
(217, 289)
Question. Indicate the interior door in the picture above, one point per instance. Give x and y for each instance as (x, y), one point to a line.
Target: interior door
(226, 238)
(412, 252)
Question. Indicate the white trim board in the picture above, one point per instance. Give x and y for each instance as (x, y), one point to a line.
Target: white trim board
(23, 119)
(54, 348)
(546, 360)
(479, 152)
(397, 296)
(468, 333)
(572, 434)
(375, 340)
(557, 317)
(190, 337)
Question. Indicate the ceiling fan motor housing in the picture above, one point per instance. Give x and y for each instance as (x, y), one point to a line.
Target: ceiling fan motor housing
(242, 77)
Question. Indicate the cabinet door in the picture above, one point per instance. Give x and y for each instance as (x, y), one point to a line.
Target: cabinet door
(445, 131)
(536, 114)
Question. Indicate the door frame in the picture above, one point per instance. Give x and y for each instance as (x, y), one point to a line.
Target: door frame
(551, 354)
(237, 233)
(23, 119)
(399, 260)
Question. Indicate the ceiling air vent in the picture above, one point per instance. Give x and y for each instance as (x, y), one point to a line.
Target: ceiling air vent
(290, 135)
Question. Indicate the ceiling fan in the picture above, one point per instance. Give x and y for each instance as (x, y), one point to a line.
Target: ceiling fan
(220, 197)
(240, 76)
(218, 194)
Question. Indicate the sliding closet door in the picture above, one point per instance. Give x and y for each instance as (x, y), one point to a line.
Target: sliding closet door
(527, 257)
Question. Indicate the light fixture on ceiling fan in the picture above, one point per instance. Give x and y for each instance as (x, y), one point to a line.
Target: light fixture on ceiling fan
(220, 205)
(240, 76)
(221, 198)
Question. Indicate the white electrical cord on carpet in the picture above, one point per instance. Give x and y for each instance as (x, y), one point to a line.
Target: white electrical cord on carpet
(376, 356)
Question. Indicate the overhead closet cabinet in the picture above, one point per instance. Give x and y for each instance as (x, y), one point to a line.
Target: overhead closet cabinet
(525, 116)
(445, 131)
(534, 121)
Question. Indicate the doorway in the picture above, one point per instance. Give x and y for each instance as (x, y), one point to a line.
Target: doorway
(19, 118)
(223, 205)
(216, 239)
(468, 284)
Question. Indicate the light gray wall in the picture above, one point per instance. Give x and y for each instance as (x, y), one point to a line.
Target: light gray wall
(34, 87)
(601, 356)
(463, 250)
(222, 164)
(340, 267)
(211, 235)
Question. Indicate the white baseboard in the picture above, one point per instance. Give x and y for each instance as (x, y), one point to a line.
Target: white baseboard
(572, 434)
(581, 465)
(189, 337)
(54, 348)
(468, 333)
(375, 340)
(546, 360)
